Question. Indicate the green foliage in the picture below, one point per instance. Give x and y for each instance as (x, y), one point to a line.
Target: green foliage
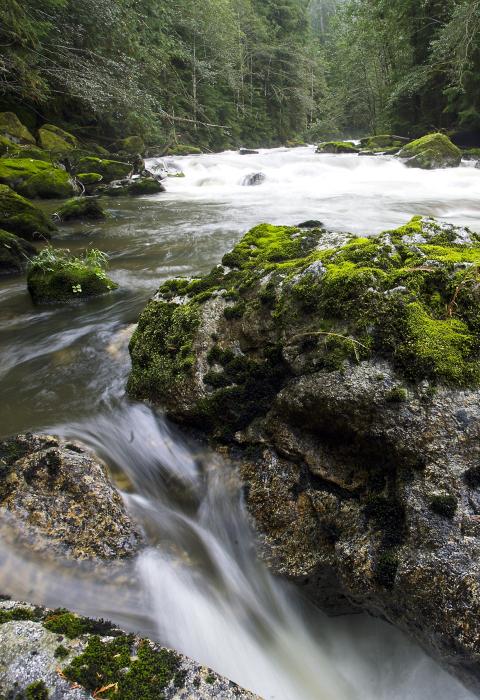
(36, 691)
(444, 504)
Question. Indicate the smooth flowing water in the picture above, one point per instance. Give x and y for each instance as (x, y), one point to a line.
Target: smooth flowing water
(199, 587)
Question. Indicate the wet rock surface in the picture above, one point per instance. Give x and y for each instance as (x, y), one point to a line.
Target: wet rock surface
(59, 499)
(73, 658)
(342, 374)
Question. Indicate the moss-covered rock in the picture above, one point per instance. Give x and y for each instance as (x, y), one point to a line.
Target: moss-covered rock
(109, 169)
(55, 276)
(182, 149)
(145, 185)
(89, 179)
(52, 138)
(131, 145)
(15, 253)
(12, 127)
(383, 142)
(20, 216)
(337, 147)
(36, 178)
(82, 208)
(431, 151)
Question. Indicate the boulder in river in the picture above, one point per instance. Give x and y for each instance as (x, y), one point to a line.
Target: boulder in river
(109, 169)
(20, 216)
(248, 152)
(56, 654)
(383, 142)
(254, 179)
(82, 208)
(431, 151)
(36, 178)
(337, 147)
(59, 499)
(57, 277)
(15, 253)
(53, 139)
(343, 374)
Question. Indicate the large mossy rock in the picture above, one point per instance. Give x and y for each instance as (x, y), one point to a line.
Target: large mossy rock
(12, 128)
(383, 142)
(343, 373)
(15, 253)
(51, 489)
(82, 208)
(109, 169)
(36, 178)
(21, 217)
(336, 147)
(47, 653)
(52, 138)
(431, 151)
(131, 145)
(56, 276)
(145, 186)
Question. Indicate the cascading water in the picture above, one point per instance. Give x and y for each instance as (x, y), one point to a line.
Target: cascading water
(199, 586)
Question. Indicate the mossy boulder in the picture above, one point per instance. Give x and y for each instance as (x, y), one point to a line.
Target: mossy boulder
(383, 142)
(82, 208)
(145, 185)
(182, 149)
(36, 178)
(12, 128)
(109, 169)
(15, 253)
(431, 151)
(89, 179)
(20, 216)
(131, 145)
(52, 138)
(56, 276)
(342, 374)
(337, 147)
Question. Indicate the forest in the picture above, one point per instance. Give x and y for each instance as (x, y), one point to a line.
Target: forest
(253, 72)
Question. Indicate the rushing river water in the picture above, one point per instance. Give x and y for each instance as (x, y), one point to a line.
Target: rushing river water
(199, 587)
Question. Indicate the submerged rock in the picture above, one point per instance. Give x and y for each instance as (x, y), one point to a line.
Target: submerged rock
(15, 253)
(20, 216)
(343, 373)
(431, 151)
(82, 208)
(59, 500)
(56, 654)
(13, 129)
(337, 147)
(248, 152)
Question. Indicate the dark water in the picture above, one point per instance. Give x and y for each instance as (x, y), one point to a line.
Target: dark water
(64, 368)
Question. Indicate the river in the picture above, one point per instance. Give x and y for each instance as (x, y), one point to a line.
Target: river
(199, 587)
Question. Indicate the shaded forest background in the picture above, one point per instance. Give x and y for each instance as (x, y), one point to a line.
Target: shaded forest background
(219, 73)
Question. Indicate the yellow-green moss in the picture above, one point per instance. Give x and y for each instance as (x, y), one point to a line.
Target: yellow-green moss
(109, 169)
(431, 151)
(21, 217)
(35, 178)
(52, 138)
(11, 125)
(337, 147)
(82, 208)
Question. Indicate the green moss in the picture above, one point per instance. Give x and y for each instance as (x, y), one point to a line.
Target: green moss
(20, 216)
(337, 147)
(144, 186)
(235, 312)
(382, 142)
(88, 179)
(396, 395)
(132, 673)
(131, 145)
(181, 149)
(57, 276)
(82, 208)
(35, 178)
(14, 253)
(66, 623)
(52, 138)
(472, 477)
(431, 151)
(210, 679)
(36, 691)
(386, 568)
(109, 169)
(162, 350)
(61, 652)
(11, 125)
(444, 504)
(18, 614)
